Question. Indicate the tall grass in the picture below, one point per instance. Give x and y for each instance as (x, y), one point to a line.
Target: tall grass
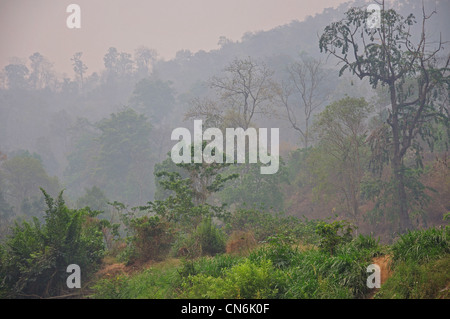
(318, 274)
(278, 270)
(208, 266)
(151, 283)
(412, 280)
(245, 280)
(421, 262)
(421, 245)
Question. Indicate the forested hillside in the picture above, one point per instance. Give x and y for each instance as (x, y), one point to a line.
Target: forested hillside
(87, 177)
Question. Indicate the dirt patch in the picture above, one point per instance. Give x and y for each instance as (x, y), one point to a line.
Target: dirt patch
(111, 271)
(385, 271)
(241, 243)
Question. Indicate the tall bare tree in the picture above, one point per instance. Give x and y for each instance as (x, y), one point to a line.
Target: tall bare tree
(301, 96)
(246, 90)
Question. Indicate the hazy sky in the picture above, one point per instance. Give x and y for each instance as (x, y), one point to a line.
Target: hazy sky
(28, 26)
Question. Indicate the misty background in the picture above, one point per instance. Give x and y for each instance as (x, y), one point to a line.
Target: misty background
(167, 26)
(91, 110)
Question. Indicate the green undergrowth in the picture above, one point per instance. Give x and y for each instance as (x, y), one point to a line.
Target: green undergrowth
(420, 264)
(274, 270)
(278, 269)
(418, 281)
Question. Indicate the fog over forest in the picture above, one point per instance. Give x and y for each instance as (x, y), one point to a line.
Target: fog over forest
(100, 131)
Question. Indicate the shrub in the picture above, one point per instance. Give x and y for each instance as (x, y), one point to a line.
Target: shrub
(262, 224)
(334, 234)
(111, 288)
(278, 250)
(318, 274)
(246, 280)
(151, 240)
(240, 242)
(413, 280)
(253, 280)
(35, 256)
(366, 242)
(207, 239)
(422, 245)
(214, 267)
(212, 239)
(202, 286)
(151, 283)
(265, 224)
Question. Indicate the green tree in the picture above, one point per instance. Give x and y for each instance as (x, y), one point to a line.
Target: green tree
(124, 164)
(93, 198)
(17, 76)
(412, 73)
(187, 202)
(35, 256)
(6, 213)
(144, 58)
(341, 157)
(116, 156)
(161, 193)
(41, 71)
(22, 177)
(79, 67)
(253, 189)
(154, 98)
(119, 65)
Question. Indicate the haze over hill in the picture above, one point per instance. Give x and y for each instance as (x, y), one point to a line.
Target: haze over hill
(324, 130)
(167, 26)
(110, 67)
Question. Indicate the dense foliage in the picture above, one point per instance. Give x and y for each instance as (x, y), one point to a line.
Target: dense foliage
(35, 256)
(369, 183)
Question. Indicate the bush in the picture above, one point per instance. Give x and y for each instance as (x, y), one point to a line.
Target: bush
(421, 245)
(111, 288)
(214, 267)
(35, 256)
(151, 240)
(310, 282)
(246, 280)
(318, 274)
(262, 224)
(334, 234)
(278, 250)
(240, 242)
(265, 224)
(367, 242)
(151, 283)
(413, 280)
(207, 239)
